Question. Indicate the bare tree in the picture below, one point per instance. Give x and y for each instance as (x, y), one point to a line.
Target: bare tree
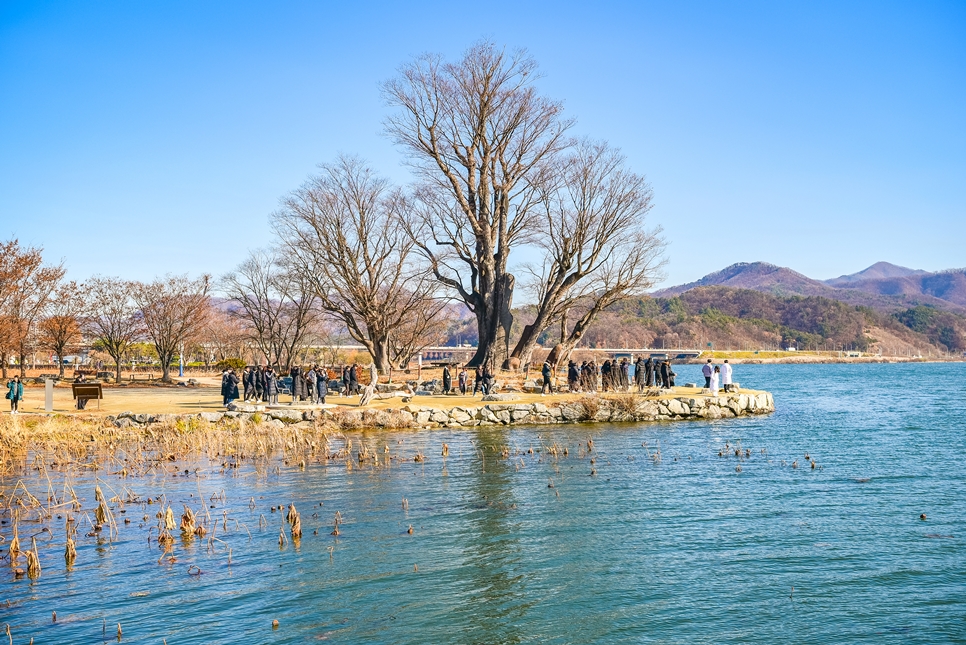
(475, 131)
(224, 336)
(60, 328)
(276, 304)
(174, 311)
(111, 319)
(28, 285)
(596, 247)
(343, 229)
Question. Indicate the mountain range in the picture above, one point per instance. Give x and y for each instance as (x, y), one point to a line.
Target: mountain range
(885, 287)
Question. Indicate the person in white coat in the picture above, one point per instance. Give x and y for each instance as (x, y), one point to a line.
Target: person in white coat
(715, 376)
(726, 376)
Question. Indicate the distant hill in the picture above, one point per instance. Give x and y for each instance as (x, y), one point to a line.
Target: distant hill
(884, 287)
(878, 271)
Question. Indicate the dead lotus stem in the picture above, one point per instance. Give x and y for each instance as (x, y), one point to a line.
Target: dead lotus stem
(33, 561)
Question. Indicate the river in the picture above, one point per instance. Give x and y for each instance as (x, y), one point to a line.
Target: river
(658, 539)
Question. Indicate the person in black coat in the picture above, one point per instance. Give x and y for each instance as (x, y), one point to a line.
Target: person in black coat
(665, 378)
(547, 373)
(447, 380)
(649, 372)
(573, 377)
(258, 382)
(354, 379)
(321, 386)
(230, 386)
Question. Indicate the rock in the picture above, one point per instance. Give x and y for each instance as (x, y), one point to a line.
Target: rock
(438, 416)
(124, 422)
(211, 417)
(459, 415)
(690, 385)
(539, 408)
(677, 408)
(289, 416)
(424, 393)
(503, 416)
(243, 407)
(571, 412)
(501, 397)
(517, 414)
(125, 415)
(142, 418)
(423, 417)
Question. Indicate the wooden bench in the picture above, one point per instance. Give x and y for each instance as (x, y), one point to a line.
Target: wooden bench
(88, 391)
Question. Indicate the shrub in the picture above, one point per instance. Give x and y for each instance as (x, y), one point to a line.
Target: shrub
(236, 364)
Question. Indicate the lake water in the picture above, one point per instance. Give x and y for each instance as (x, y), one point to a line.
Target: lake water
(683, 549)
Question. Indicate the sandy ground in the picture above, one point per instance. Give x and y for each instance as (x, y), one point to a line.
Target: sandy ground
(180, 400)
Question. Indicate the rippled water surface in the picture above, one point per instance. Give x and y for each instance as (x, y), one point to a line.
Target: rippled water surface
(683, 549)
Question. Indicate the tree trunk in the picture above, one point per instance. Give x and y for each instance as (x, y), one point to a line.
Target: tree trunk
(23, 367)
(3, 358)
(60, 362)
(380, 354)
(117, 375)
(166, 368)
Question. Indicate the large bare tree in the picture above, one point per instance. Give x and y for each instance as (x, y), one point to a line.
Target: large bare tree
(475, 131)
(343, 229)
(594, 241)
(60, 328)
(276, 304)
(111, 318)
(174, 311)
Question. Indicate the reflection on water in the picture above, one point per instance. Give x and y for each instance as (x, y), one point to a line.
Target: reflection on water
(679, 549)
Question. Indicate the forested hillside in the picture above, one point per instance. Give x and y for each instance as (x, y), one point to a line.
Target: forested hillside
(747, 319)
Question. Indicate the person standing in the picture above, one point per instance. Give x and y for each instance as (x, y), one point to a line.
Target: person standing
(258, 380)
(670, 374)
(649, 372)
(231, 387)
(354, 379)
(462, 378)
(625, 374)
(224, 387)
(573, 377)
(81, 400)
(447, 379)
(310, 383)
(488, 380)
(713, 384)
(345, 380)
(321, 386)
(247, 383)
(478, 380)
(665, 377)
(726, 376)
(15, 394)
(271, 387)
(298, 384)
(547, 372)
(707, 371)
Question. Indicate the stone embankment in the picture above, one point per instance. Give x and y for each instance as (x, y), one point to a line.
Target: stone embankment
(497, 409)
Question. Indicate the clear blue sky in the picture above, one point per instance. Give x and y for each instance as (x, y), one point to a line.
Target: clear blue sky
(140, 138)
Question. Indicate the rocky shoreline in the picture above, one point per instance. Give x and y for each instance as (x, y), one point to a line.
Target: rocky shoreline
(499, 409)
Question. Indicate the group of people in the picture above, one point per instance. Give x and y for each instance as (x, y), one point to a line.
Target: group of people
(614, 375)
(263, 385)
(717, 376)
(483, 381)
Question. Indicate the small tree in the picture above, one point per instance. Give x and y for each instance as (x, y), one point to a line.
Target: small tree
(29, 285)
(111, 317)
(174, 312)
(60, 329)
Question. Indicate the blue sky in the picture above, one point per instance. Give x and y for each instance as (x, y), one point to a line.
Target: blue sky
(138, 139)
